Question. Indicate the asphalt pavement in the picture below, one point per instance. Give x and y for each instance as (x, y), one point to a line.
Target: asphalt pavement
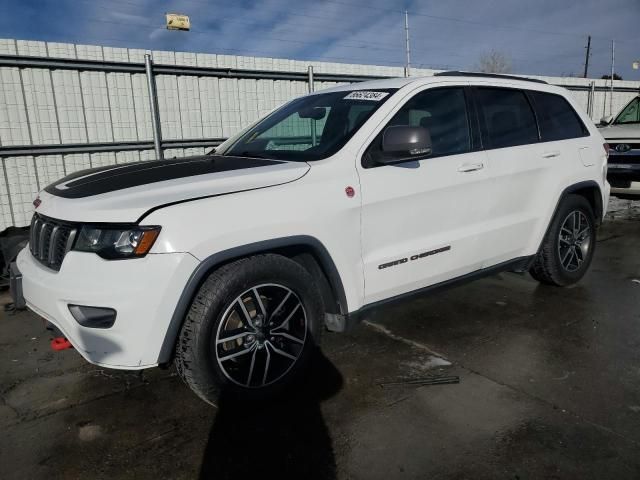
(549, 387)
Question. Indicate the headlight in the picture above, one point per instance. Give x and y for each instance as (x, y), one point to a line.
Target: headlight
(113, 243)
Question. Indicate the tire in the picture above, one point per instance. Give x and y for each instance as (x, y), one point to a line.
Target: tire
(566, 253)
(247, 344)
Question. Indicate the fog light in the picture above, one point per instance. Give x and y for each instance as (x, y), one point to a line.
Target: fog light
(93, 317)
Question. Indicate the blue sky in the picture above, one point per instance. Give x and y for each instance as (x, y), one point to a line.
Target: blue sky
(545, 37)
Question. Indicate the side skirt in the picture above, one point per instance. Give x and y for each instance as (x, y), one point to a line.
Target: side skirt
(520, 265)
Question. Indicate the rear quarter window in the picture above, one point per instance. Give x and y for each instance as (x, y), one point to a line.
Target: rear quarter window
(557, 118)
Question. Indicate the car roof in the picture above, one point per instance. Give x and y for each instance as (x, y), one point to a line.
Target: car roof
(450, 77)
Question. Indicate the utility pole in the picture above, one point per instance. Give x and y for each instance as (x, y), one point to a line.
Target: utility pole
(613, 67)
(586, 59)
(407, 69)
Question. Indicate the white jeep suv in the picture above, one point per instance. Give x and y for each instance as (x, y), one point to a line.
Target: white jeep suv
(231, 264)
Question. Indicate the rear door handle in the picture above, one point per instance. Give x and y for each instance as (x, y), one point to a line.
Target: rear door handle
(470, 167)
(550, 154)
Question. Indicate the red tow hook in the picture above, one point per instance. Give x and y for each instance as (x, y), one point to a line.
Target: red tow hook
(60, 343)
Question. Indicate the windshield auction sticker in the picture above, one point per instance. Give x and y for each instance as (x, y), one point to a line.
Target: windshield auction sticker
(366, 95)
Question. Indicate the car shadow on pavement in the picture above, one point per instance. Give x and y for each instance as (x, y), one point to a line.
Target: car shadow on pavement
(284, 437)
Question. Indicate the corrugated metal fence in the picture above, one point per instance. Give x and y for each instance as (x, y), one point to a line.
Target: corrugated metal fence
(66, 107)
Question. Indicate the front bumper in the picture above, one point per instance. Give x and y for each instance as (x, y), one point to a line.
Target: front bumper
(144, 293)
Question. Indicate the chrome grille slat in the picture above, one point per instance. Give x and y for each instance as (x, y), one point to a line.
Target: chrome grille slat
(41, 241)
(36, 235)
(72, 237)
(50, 240)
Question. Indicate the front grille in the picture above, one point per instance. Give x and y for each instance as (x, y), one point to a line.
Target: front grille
(50, 240)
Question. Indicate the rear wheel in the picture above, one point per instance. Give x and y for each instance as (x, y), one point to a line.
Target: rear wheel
(569, 244)
(251, 328)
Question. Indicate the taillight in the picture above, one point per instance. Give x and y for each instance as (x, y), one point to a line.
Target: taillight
(606, 149)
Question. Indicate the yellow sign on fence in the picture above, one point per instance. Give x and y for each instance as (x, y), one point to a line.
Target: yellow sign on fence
(176, 21)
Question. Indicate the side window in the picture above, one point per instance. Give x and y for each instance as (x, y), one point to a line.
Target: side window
(443, 111)
(508, 118)
(557, 119)
(631, 113)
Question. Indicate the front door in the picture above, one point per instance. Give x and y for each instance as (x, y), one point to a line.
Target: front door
(420, 218)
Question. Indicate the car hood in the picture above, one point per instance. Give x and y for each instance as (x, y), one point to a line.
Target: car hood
(125, 193)
(621, 132)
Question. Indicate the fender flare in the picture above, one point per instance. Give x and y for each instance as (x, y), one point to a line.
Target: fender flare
(598, 211)
(599, 208)
(219, 258)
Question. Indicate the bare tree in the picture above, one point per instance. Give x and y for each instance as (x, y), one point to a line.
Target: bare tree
(494, 62)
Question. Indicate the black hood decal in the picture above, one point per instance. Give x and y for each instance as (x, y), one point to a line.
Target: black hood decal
(96, 181)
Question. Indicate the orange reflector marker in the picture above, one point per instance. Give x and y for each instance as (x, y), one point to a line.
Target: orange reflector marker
(146, 242)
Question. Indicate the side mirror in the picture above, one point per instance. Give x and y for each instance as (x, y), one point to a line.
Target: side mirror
(606, 120)
(403, 144)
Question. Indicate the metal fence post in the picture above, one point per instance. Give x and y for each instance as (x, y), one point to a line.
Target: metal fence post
(604, 100)
(153, 101)
(310, 78)
(591, 98)
(6, 182)
(312, 122)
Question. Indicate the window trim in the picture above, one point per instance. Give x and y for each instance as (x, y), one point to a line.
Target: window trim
(483, 125)
(536, 117)
(585, 131)
(472, 105)
(473, 133)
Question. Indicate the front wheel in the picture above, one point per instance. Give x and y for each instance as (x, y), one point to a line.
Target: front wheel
(568, 247)
(250, 329)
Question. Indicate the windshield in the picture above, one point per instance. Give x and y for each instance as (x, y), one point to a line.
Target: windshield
(630, 113)
(309, 128)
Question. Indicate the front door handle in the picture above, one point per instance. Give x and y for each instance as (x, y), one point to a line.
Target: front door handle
(470, 167)
(551, 154)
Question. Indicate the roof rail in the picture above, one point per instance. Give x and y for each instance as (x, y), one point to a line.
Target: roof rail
(455, 73)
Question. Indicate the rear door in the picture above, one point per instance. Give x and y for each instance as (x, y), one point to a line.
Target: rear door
(420, 218)
(528, 154)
